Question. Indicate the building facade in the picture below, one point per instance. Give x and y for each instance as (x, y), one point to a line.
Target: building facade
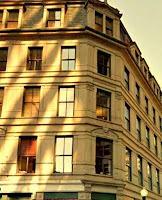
(80, 111)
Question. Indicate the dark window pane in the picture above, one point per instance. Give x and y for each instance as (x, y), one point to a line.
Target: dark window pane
(34, 60)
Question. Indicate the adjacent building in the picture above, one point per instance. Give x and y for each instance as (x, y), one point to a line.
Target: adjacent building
(80, 111)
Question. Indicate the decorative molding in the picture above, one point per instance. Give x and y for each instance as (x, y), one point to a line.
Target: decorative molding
(105, 132)
(90, 87)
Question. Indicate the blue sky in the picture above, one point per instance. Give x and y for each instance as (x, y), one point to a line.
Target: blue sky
(143, 21)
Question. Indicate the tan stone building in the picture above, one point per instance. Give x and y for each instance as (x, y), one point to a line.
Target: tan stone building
(80, 110)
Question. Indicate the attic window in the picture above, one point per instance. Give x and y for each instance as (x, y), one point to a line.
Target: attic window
(98, 21)
(109, 26)
(137, 56)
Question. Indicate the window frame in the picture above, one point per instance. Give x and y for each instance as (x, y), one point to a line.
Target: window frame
(138, 128)
(140, 170)
(154, 115)
(108, 28)
(53, 7)
(137, 93)
(53, 20)
(158, 180)
(5, 15)
(149, 173)
(127, 120)
(102, 68)
(64, 155)
(26, 155)
(33, 103)
(98, 26)
(146, 105)
(69, 59)
(155, 145)
(9, 20)
(126, 77)
(129, 165)
(107, 108)
(4, 61)
(36, 60)
(66, 102)
(160, 124)
(147, 131)
(109, 157)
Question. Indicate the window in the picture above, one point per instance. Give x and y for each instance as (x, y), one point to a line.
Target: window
(126, 78)
(155, 144)
(98, 21)
(161, 150)
(147, 137)
(160, 125)
(31, 101)
(34, 60)
(54, 18)
(1, 99)
(66, 102)
(103, 63)
(154, 87)
(128, 165)
(109, 26)
(103, 156)
(137, 93)
(12, 19)
(1, 18)
(145, 72)
(3, 58)
(103, 107)
(154, 115)
(64, 154)
(146, 105)
(157, 181)
(140, 171)
(127, 117)
(136, 56)
(68, 58)
(138, 128)
(149, 172)
(27, 154)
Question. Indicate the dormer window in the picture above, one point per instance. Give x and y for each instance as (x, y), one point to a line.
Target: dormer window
(137, 56)
(109, 26)
(12, 21)
(145, 72)
(154, 86)
(54, 18)
(98, 21)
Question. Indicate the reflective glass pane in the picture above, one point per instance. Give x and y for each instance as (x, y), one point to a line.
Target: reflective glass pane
(59, 164)
(70, 94)
(68, 146)
(59, 146)
(70, 109)
(63, 93)
(62, 109)
(71, 53)
(58, 15)
(57, 24)
(65, 53)
(65, 65)
(68, 164)
(71, 64)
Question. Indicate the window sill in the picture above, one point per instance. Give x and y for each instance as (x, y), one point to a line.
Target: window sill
(104, 175)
